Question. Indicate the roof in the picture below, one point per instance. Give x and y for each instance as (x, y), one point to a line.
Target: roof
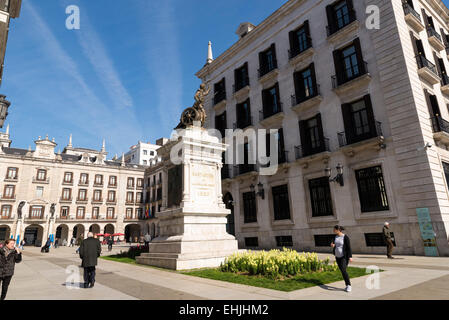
(14, 151)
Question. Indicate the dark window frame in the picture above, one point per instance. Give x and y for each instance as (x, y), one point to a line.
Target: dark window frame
(370, 199)
(249, 207)
(321, 197)
(281, 202)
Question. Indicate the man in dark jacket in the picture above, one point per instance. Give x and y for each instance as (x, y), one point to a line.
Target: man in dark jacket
(89, 250)
(388, 240)
(9, 256)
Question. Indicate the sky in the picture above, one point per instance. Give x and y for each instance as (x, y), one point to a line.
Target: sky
(125, 76)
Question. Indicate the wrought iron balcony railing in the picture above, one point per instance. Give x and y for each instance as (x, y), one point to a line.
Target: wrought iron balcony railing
(424, 63)
(309, 150)
(350, 74)
(268, 112)
(297, 99)
(409, 10)
(243, 123)
(295, 51)
(344, 139)
(440, 125)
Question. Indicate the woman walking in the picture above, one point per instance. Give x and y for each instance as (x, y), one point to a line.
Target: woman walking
(343, 254)
(9, 256)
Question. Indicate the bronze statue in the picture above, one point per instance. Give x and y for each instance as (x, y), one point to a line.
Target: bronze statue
(196, 113)
(52, 210)
(19, 209)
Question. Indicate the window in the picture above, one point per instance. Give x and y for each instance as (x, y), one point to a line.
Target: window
(281, 202)
(36, 212)
(39, 192)
(129, 197)
(68, 177)
(359, 121)
(80, 212)
(111, 213)
(241, 77)
(95, 212)
(139, 213)
(82, 195)
(252, 242)
(324, 240)
(98, 179)
(376, 240)
(112, 181)
(129, 213)
(312, 137)
(66, 194)
(221, 124)
(349, 63)
(111, 196)
(130, 183)
(339, 15)
(300, 40)
(372, 192)
(220, 91)
(140, 183)
(145, 162)
(11, 174)
(6, 211)
(246, 166)
(41, 175)
(267, 60)
(159, 194)
(320, 197)
(284, 241)
(145, 152)
(305, 84)
(271, 101)
(139, 196)
(65, 212)
(97, 195)
(9, 192)
(249, 207)
(243, 115)
(151, 153)
(279, 138)
(84, 178)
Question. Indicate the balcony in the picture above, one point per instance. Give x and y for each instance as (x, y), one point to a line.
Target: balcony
(307, 152)
(67, 183)
(41, 181)
(301, 104)
(350, 144)
(267, 73)
(283, 159)
(97, 201)
(82, 200)
(335, 34)
(240, 90)
(226, 172)
(435, 39)
(11, 179)
(111, 218)
(8, 198)
(219, 100)
(111, 202)
(98, 185)
(112, 186)
(445, 84)
(301, 58)
(130, 187)
(36, 218)
(440, 129)
(427, 70)
(243, 124)
(272, 115)
(244, 170)
(83, 183)
(342, 84)
(65, 200)
(129, 202)
(413, 18)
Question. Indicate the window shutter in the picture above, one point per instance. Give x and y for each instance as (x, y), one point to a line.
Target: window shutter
(351, 10)
(347, 120)
(299, 85)
(223, 84)
(261, 61)
(320, 128)
(370, 112)
(444, 37)
(415, 47)
(278, 97)
(265, 102)
(307, 30)
(313, 74)
(304, 138)
(437, 63)
(338, 66)
(281, 140)
(426, 18)
(330, 18)
(246, 73)
(273, 50)
(293, 43)
(237, 80)
(358, 49)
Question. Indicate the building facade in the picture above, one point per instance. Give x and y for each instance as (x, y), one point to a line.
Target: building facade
(360, 113)
(67, 194)
(142, 153)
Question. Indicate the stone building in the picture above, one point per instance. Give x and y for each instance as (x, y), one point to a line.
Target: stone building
(361, 113)
(9, 9)
(63, 194)
(142, 153)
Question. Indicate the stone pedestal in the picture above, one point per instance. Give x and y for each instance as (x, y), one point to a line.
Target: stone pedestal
(193, 228)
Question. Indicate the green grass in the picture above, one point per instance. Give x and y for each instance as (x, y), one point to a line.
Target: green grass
(287, 285)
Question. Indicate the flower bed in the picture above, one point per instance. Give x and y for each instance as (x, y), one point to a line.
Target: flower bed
(276, 263)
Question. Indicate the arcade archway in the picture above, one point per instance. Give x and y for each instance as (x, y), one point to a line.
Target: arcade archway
(34, 235)
(132, 231)
(62, 233)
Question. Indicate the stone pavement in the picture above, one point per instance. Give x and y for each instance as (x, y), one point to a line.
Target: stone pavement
(53, 276)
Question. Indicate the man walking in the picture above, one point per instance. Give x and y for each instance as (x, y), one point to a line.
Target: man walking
(388, 240)
(89, 251)
(147, 239)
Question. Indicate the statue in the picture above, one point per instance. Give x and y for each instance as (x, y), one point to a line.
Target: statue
(52, 210)
(196, 113)
(19, 209)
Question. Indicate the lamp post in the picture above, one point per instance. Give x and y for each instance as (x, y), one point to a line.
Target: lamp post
(260, 190)
(4, 105)
(338, 178)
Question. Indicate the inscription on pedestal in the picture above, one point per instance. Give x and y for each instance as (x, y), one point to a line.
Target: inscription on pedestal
(203, 183)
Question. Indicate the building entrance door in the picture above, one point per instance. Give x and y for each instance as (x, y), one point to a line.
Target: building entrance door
(31, 236)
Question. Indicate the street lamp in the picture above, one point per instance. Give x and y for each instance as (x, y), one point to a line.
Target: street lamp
(260, 190)
(4, 105)
(338, 178)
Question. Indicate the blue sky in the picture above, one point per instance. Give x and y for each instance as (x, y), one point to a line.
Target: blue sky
(125, 76)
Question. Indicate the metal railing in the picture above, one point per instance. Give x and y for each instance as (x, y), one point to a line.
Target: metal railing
(409, 10)
(300, 99)
(331, 29)
(340, 79)
(308, 150)
(240, 124)
(431, 32)
(343, 139)
(243, 168)
(219, 97)
(424, 63)
(294, 52)
(240, 85)
(269, 112)
(444, 79)
(440, 125)
(267, 68)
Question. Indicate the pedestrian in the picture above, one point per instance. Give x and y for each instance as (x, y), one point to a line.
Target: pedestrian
(388, 236)
(147, 239)
(9, 256)
(56, 243)
(22, 244)
(46, 247)
(110, 243)
(72, 242)
(343, 253)
(89, 250)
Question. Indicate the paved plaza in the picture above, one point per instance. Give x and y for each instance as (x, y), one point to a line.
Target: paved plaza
(51, 276)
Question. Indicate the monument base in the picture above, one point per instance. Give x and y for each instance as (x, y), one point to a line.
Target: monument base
(197, 240)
